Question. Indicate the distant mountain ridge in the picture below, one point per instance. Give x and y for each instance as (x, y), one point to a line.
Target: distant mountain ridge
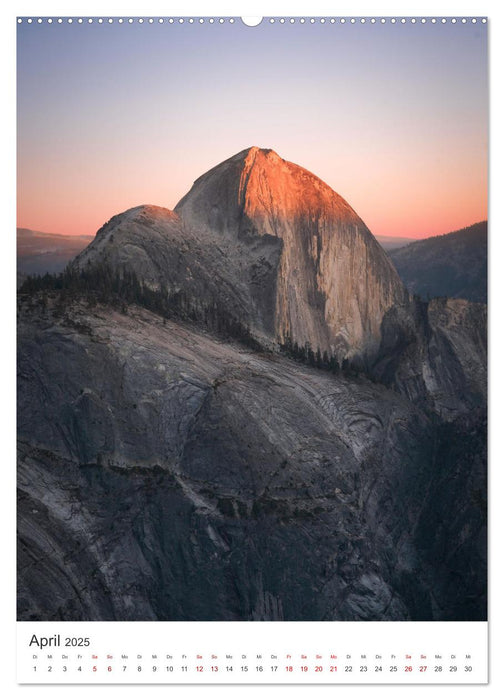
(393, 242)
(39, 252)
(452, 265)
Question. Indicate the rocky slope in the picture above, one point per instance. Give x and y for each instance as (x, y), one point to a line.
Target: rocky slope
(164, 474)
(271, 243)
(453, 265)
(165, 253)
(435, 353)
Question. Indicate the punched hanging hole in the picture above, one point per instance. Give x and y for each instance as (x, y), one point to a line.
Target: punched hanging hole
(251, 21)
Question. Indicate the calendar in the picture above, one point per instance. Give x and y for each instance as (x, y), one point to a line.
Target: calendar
(256, 653)
(252, 350)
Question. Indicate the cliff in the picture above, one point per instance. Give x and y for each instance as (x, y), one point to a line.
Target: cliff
(270, 243)
(333, 281)
(164, 474)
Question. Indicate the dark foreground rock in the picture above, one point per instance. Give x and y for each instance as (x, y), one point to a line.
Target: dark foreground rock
(167, 475)
(435, 353)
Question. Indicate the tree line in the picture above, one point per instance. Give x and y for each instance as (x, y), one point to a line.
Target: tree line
(320, 360)
(103, 285)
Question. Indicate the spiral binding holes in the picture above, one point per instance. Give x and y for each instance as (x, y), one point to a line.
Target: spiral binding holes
(270, 20)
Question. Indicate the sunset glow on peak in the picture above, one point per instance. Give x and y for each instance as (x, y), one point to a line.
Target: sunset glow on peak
(375, 113)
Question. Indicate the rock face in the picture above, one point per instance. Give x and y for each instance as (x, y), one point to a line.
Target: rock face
(334, 282)
(453, 265)
(272, 244)
(168, 473)
(166, 253)
(164, 474)
(435, 353)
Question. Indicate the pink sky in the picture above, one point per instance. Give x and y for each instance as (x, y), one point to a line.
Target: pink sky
(394, 119)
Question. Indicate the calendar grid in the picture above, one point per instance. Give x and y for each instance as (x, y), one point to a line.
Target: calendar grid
(221, 653)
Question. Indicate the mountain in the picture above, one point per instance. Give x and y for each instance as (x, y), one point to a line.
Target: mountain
(333, 282)
(435, 353)
(453, 265)
(184, 456)
(271, 243)
(38, 252)
(392, 242)
(165, 474)
(165, 254)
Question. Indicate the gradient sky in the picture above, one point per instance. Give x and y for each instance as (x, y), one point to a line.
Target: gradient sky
(393, 117)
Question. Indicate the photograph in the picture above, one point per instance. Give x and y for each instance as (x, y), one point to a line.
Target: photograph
(252, 319)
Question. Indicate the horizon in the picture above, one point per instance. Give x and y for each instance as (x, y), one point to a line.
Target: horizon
(377, 236)
(392, 117)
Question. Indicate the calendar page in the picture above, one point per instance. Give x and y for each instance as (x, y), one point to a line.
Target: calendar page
(252, 349)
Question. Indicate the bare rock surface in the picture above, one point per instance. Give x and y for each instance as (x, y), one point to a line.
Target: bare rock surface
(168, 473)
(165, 253)
(435, 353)
(270, 242)
(334, 282)
(164, 474)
